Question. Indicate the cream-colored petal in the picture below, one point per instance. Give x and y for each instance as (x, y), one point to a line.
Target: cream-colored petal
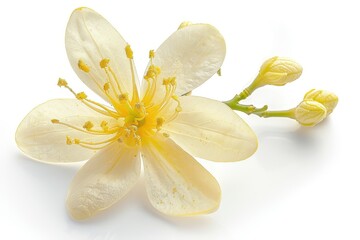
(192, 54)
(44, 141)
(211, 130)
(175, 182)
(103, 180)
(90, 38)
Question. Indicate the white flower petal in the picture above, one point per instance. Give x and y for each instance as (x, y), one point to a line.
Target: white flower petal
(175, 182)
(211, 130)
(192, 54)
(42, 140)
(103, 180)
(91, 38)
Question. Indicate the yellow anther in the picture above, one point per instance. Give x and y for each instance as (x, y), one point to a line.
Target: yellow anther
(106, 86)
(55, 121)
(104, 63)
(81, 96)
(123, 97)
(151, 54)
(68, 140)
(166, 81)
(152, 72)
(159, 122)
(104, 125)
(62, 82)
(88, 125)
(173, 81)
(77, 141)
(83, 66)
(129, 52)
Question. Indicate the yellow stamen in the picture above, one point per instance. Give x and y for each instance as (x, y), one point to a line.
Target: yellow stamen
(83, 66)
(90, 131)
(54, 121)
(152, 72)
(104, 126)
(178, 108)
(88, 125)
(151, 54)
(68, 140)
(124, 97)
(159, 122)
(62, 82)
(129, 52)
(81, 96)
(107, 112)
(106, 86)
(104, 63)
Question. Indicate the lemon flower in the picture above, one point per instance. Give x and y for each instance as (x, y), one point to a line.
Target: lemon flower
(153, 122)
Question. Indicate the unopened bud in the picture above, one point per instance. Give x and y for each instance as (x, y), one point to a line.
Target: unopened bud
(328, 99)
(309, 113)
(278, 71)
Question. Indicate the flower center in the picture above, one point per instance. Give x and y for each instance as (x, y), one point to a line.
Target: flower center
(128, 120)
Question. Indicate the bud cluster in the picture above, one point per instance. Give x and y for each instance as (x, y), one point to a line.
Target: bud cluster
(278, 71)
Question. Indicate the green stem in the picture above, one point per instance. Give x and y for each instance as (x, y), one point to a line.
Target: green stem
(281, 113)
(260, 112)
(233, 103)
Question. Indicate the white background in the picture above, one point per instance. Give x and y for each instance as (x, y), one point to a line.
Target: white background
(300, 184)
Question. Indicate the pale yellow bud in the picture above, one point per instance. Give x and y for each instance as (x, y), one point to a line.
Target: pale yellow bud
(184, 24)
(328, 99)
(278, 71)
(309, 113)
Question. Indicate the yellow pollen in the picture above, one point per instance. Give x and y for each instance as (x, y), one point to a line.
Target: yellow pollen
(123, 97)
(81, 96)
(173, 81)
(62, 82)
(55, 121)
(152, 72)
(77, 141)
(159, 122)
(106, 86)
(151, 54)
(68, 140)
(104, 63)
(170, 80)
(129, 52)
(166, 135)
(104, 126)
(88, 125)
(83, 66)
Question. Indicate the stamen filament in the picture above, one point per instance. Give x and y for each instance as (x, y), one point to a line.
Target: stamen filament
(107, 111)
(94, 148)
(135, 97)
(93, 132)
(99, 143)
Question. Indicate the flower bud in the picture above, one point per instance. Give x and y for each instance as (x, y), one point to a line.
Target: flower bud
(309, 113)
(328, 99)
(278, 71)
